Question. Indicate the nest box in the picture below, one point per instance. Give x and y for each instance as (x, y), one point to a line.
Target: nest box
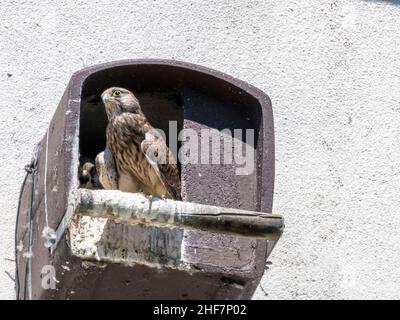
(212, 245)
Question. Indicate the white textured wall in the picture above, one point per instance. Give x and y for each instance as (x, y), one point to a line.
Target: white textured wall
(332, 71)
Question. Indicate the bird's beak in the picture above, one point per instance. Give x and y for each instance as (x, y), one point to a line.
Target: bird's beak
(105, 97)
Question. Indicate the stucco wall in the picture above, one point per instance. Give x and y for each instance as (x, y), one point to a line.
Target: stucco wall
(332, 71)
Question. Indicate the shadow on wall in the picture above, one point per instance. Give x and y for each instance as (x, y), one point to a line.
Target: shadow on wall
(382, 1)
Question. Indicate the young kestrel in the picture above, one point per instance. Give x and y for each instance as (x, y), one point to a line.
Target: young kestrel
(132, 161)
(88, 177)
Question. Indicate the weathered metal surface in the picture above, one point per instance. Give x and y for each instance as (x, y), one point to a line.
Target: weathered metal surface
(141, 209)
(225, 266)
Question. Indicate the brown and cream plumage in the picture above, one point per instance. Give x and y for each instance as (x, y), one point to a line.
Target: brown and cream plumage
(88, 177)
(105, 167)
(130, 137)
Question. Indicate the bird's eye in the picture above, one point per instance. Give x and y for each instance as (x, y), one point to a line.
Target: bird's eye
(116, 93)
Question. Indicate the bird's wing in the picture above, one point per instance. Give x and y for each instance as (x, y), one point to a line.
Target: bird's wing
(106, 169)
(162, 160)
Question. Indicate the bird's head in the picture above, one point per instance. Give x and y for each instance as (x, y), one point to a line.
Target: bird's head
(119, 100)
(87, 172)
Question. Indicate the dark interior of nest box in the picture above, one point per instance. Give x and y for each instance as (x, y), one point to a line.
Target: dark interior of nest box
(169, 92)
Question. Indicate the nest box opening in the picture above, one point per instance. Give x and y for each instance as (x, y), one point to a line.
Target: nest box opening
(195, 100)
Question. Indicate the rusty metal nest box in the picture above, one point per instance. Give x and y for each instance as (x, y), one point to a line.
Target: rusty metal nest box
(124, 253)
